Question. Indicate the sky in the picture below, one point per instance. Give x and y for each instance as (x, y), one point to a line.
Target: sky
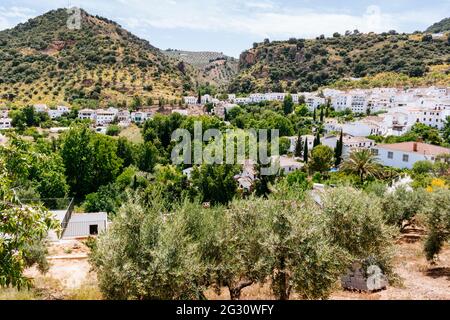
(232, 26)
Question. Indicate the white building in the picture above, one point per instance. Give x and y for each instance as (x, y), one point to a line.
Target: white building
(4, 113)
(105, 117)
(87, 114)
(287, 164)
(141, 116)
(404, 155)
(5, 123)
(58, 112)
(350, 143)
(242, 100)
(190, 100)
(85, 225)
(124, 117)
(40, 108)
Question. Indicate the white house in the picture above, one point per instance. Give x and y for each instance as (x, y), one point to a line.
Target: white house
(206, 99)
(405, 154)
(4, 113)
(190, 100)
(5, 123)
(141, 116)
(350, 143)
(124, 116)
(288, 165)
(242, 100)
(58, 112)
(87, 114)
(40, 108)
(105, 117)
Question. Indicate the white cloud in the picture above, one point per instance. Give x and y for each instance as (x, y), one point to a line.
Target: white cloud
(10, 16)
(265, 19)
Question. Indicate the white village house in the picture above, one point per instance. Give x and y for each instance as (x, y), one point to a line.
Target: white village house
(406, 154)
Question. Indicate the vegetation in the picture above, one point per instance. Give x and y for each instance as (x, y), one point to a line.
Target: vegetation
(440, 27)
(300, 65)
(45, 62)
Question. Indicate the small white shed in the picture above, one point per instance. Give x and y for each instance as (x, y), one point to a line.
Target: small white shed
(85, 225)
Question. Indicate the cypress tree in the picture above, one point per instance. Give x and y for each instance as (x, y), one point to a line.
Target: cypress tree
(305, 151)
(199, 99)
(317, 139)
(299, 146)
(314, 115)
(338, 150)
(321, 115)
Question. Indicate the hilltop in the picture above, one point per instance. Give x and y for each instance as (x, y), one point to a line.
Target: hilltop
(306, 65)
(439, 27)
(213, 67)
(44, 61)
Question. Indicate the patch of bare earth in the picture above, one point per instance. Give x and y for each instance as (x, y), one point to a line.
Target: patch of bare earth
(419, 279)
(70, 275)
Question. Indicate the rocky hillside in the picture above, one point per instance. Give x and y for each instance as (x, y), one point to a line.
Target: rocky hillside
(213, 67)
(43, 61)
(440, 27)
(306, 65)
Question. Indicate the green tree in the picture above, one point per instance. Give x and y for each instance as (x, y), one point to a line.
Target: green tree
(362, 163)
(321, 159)
(214, 183)
(401, 206)
(288, 105)
(355, 222)
(298, 257)
(147, 255)
(317, 139)
(298, 146)
(23, 230)
(306, 152)
(446, 130)
(338, 150)
(437, 213)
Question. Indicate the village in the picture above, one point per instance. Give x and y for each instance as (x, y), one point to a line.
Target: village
(381, 112)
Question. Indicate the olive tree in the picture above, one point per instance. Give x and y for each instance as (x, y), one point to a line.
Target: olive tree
(147, 253)
(354, 221)
(437, 213)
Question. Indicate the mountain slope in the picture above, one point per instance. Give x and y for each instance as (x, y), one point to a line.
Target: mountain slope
(213, 67)
(43, 61)
(306, 65)
(439, 27)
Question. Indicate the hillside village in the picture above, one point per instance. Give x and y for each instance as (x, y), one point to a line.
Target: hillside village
(361, 179)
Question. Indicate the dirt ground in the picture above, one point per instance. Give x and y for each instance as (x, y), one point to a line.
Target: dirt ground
(70, 277)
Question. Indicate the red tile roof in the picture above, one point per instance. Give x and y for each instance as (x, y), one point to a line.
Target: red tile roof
(422, 148)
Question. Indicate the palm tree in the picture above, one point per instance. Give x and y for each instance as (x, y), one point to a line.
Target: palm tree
(362, 163)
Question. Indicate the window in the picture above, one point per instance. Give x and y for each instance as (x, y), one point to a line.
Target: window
(405, 158)
(390, 155)
(375, 152)
(93, 229)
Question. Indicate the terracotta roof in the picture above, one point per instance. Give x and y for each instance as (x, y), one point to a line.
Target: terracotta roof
(422, 148)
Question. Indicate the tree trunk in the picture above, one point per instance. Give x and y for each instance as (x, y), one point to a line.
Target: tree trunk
(235, 290)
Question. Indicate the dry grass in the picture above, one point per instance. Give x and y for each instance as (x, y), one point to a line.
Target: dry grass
(132, 133)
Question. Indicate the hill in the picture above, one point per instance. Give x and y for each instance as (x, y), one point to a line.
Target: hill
(213, 67)
(440, 27)
(306, 65)
(44, 61)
